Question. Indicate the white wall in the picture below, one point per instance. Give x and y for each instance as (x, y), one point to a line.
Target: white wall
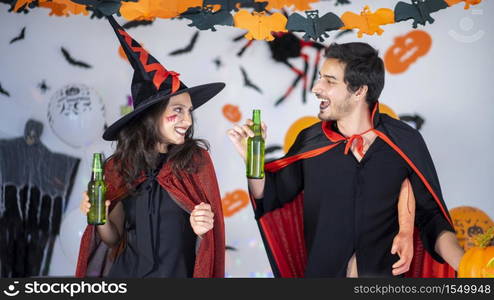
(449, 87)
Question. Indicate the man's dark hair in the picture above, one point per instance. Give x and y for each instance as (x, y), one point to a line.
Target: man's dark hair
(363, 66)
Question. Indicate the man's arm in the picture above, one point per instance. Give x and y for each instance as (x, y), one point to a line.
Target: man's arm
(449, 249)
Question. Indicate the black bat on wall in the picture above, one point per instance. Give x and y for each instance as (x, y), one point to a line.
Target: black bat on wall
(248, 82)
(21, 36)
(189, 47)
(315, 27)
(133, 24)
(72, 61)
(4, 92)
(416, 119)
(204, 19)
(420, 11)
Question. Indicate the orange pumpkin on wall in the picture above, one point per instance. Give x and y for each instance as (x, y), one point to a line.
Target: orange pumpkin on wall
(478, 262)
(406, 50)
(233, 202)
(232, 113)
(469, 222)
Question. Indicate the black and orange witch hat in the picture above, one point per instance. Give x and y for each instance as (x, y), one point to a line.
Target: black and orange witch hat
(153, 83)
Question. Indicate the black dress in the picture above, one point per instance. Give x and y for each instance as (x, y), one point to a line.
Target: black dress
(160, 239)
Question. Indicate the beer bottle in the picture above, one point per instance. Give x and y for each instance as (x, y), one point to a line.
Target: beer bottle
(255, 149)
(96, 190)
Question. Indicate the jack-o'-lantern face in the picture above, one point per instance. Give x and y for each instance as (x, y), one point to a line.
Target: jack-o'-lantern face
(406, 50)
(233, 202)
(232, 113)
(469, 222)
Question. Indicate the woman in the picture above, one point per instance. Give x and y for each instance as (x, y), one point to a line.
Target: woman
(163, 200)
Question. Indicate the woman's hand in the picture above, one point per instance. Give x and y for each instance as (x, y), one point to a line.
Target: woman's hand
(202, 219)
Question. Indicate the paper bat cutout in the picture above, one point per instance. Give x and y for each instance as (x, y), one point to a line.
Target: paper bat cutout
(133, 24)
(248, 82)
(43, 87)
(299, 4)
(315, 27)
(72, 61)
(260, 25)
(217, 61)
(206, 18)
(152, 9)
(21, 36)
(416, 119)
(342, 33)
(420, 11)
(341, 2)
(101, 7)
(230, 248)
(467, 2)
(4, 92)
(189, 47)
(271, 149)
(257, 6)
(368, 22)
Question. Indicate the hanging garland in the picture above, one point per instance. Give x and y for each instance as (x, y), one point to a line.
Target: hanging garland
(255, 16)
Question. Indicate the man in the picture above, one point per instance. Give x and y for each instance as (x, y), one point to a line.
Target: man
(329, 208)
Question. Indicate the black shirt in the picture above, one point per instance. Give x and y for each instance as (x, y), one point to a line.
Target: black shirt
(160, 239)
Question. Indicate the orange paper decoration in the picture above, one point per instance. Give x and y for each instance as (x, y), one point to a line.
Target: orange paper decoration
(406, 50)
(260, 25)
(279, 4)
(233, 202)
(368, 22)
(295, 129)
(152, 9)
(232, 113)
(469, 222)
(467, 2)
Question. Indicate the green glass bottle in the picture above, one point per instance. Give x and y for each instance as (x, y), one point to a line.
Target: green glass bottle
(96, 191)
(255, 149)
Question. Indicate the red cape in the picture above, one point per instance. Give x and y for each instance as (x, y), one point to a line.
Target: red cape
(283, 229)
(95, 258)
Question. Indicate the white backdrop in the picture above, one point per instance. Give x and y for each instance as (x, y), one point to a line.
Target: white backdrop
(449, 87)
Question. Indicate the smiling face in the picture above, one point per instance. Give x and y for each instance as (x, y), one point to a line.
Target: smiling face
(336, 102)
(176, 120)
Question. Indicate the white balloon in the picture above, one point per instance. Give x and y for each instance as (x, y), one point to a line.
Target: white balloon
(71, 230)
(77, 115)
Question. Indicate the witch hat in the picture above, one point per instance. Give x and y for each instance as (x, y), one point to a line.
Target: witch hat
(153, 83)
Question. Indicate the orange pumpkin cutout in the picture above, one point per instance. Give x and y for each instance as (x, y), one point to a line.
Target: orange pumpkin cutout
(478, 262)
(233, 202)
(467, 2)
(469, 222)
(152, 9)
(406, 50)
(295, 129)
(384, 109)
(232, 113)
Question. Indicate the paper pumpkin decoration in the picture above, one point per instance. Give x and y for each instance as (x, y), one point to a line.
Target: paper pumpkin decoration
(295, 129)
(232, 113)
(368, 22)
(152, 9)
(384, 109)
(469, 222)
(406, 50)
(260, 25)
(467, 2)
(235, 201)
(478, 262)
(77, 115)
(298, 4)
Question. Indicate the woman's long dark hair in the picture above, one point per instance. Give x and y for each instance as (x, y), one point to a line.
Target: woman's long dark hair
(136, 147)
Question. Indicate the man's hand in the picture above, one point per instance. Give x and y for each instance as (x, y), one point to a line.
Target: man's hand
(403, 246)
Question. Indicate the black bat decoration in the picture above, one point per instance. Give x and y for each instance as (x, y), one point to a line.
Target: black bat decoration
(2, 91)
(189, 47)
(315, 27)
(21, 36)
(43, 87)
(416, 119)
(248, 82)
(101, 8)
(257, 6)
(205, 18)
(341, 2)
(271, 149)
(420, 11)
(230, 248)
(72, 61)
(217, 61)
(133, 24)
